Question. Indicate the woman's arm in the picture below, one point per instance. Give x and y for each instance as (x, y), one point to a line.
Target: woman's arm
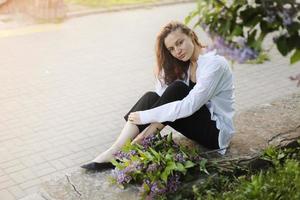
(203, 91)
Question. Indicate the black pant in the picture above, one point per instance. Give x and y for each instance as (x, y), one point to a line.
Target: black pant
(198, 127)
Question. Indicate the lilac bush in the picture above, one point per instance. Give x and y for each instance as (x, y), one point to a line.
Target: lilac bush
(239, 27)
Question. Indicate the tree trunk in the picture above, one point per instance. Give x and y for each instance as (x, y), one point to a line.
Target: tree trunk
(39, 9)
(47, 9)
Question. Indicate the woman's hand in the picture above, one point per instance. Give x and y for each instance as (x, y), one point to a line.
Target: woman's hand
(134, 118)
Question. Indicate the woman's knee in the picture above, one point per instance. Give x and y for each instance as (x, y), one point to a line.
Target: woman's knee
(150, 94)
(176, 90)
(178, 86)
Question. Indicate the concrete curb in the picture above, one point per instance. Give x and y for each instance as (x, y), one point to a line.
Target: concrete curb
(122, 8)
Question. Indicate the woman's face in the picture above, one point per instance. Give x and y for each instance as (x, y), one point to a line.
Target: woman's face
(179, 45)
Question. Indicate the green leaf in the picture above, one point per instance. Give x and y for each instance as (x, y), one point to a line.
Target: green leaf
(146, 187)
(250, 16)
(148, 156)
(168, 170)
(155, 153)
(171, 165)
(227, 26)
(237, 31)
(128, 146)
(191, 16)
(251, 38)
(181, 168)
(262, 57)
(203, 166)
(268, 27)
(280, 156)
(293, 42)
(164, 175)
(169, 156)
(189, 164)
(295, 57)
(293, 28)
(282, 45)
(145, 156)
(117, 164)
(257, 43)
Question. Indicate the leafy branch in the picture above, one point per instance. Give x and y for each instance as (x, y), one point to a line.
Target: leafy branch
(239, 27)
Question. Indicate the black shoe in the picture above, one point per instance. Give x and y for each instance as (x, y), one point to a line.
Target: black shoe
(94, 166)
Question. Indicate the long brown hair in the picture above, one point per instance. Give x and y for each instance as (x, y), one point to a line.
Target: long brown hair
(172, 67)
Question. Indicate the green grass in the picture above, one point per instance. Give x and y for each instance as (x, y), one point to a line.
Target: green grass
(278, 181)
(281, 183)
(108, 3)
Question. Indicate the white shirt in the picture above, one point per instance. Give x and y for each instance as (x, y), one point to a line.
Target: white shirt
(214, 88)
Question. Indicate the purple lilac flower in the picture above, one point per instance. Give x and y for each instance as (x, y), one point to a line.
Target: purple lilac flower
(133, 167)
(240, 54)
(157, 189)
(122, 155)
(121, 176)
(137, 166)
(246, 54)
(153, 167)
(179, 158)
(148, 141)
(286, 16)
(133, 152)
(147, 181)
(271, 16)
(173, 183)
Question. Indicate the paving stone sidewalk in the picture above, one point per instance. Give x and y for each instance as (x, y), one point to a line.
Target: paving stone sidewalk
(65, 88)
(281, 125)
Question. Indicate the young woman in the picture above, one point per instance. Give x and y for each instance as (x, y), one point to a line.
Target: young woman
(194, 95)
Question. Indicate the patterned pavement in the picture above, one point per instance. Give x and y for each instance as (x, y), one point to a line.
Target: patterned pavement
(64, 89)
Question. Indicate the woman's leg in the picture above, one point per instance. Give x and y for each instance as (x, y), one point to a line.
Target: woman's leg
(176, 91)
(130, 131)
(151, 129)
(199, 127)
